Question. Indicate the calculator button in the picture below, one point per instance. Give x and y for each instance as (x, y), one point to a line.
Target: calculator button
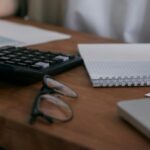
(19, 53)
(2, 54)
(31, 55)
(16, 59)
(23, 57)
(22, 64)
(61, 57)
(42, 57)
(4, 58)
(10, 62)
(40, 65)
(12, 55)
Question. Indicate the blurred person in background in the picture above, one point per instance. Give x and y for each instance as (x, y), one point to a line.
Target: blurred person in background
(126, 20)
(8, 7)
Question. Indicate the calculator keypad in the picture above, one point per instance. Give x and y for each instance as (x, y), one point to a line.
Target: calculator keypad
(34, 59)
(29, 65)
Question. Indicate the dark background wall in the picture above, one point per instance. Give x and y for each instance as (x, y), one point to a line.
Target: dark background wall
(22, 9)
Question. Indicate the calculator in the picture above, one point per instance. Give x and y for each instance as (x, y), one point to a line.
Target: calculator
(28, 65)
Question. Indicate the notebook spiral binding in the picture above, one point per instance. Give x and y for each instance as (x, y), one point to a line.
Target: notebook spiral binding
(121, 81)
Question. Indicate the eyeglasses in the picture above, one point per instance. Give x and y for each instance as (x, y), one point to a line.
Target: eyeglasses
(48, 104)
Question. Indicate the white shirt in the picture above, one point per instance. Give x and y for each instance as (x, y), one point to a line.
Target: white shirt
(127, 20)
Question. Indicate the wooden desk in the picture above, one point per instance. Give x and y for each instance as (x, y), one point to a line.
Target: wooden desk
(96, 124)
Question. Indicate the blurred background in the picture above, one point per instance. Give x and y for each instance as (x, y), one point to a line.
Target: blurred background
(118, 19)
(50, 11)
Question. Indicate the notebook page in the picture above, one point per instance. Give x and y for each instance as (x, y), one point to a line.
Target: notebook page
(109, 61)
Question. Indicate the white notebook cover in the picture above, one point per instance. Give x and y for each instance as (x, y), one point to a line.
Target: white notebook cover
(137, 113)
(117, 64)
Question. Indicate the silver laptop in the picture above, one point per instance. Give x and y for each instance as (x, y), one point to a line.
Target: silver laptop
(137, 113)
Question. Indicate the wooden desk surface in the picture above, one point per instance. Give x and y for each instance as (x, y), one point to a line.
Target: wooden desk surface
(96, 124)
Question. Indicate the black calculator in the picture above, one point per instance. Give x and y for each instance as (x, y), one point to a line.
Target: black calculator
(28, 65)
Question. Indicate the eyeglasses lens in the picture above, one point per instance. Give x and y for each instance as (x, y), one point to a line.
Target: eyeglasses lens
(54, 107)
(60, 88)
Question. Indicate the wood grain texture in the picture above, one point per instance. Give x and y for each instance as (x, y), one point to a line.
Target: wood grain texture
(96, 124)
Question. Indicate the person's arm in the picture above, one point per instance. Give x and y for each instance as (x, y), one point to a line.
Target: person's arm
(8, 7)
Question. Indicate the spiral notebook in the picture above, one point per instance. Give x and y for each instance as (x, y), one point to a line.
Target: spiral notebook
(117, 64)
